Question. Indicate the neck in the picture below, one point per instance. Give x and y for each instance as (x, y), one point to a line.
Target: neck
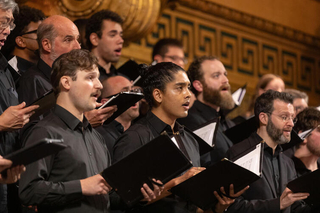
(105, 64)
(309, 160)
(46, 59)
(164, 117)
(67, 104)
(200, 98)
(27, 56)
(262, 132)
(126, 123)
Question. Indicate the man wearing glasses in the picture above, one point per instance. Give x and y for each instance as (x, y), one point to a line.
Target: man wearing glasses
(169, 50)
(12, 115)
(275, 115)
(113, 130)
(21, 46)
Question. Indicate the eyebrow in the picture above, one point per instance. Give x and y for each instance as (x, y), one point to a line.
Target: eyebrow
(182, 84)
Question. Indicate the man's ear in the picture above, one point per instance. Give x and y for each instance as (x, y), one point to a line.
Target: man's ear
(263, 118)
(20, 42)
(197, 85)
(46, 45)
(65, 82)
(158, 58)
(94, 39)
(157, 96)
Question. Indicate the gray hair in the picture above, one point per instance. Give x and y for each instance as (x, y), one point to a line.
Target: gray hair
(46, 31)
(9, 5)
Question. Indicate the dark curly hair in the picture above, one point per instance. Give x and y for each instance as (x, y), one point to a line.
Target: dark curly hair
(195, 72)
(309, 118)
(157, 77)
(94, 23)
(264, 102)
(22, 19)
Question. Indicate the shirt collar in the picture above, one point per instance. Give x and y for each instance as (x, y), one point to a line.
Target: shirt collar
(270, 150)
(45, 69)
(159, 126)
(70, 120)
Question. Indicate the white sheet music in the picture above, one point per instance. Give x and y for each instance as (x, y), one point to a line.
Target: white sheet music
(238, 96)
(251, 161)
(206, 133)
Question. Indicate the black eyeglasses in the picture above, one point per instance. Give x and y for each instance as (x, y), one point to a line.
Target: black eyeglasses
(30, 32)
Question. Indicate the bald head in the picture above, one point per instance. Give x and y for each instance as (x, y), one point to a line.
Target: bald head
(57, 35)
(114, 85)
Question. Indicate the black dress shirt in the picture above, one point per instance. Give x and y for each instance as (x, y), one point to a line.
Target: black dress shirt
(144, 131)
(199, 114)
(9, 141)
(264, 194)
(104, 75)
(17, 67)
(111, 132)
(53, 183)
(35, 82)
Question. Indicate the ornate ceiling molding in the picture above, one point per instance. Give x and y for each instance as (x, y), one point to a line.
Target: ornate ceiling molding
(250, 21)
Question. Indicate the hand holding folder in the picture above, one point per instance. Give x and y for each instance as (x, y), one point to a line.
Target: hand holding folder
(159, 159)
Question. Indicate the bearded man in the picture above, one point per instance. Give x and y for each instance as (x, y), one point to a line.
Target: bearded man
(210, 84)
(274, 113)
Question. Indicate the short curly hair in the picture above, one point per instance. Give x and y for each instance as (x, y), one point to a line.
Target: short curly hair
(309, 118)
(195, 72)
(264, 102)
(69, 63)
(94, 24)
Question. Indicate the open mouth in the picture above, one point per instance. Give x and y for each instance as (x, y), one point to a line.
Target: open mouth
(186, 105)
(96, 95)
(2, 41)
(118, 51)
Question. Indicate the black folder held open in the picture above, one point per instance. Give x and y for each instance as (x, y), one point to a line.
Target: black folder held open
(308, 183)
(160, 159)
(199, 188)
(45, 102)
(30, 154)
(123, 100)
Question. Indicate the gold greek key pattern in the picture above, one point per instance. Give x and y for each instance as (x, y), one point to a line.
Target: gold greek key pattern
(247, 53)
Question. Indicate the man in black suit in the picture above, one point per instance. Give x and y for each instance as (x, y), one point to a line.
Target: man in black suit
(275, 114)
(210, 84)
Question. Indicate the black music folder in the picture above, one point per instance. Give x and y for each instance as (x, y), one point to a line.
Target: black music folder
(295, 140)
(45, 102)
(308, 183)
(123, 100)
(242, 172)
(242, 131)
(160, 159)
(30, 154)
(130, 69)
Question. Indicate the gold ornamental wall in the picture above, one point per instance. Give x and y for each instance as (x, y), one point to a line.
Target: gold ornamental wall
(248, 46)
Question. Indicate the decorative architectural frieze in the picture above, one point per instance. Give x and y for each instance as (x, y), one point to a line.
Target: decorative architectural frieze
(250, 21)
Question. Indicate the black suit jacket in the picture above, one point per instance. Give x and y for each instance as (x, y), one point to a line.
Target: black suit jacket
(261, 197)
(199, 114)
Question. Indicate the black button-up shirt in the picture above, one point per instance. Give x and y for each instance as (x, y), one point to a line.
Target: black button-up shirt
(142, 132)
(111, 132)
(17, 67)
(53, 183)
(35, 82)
(8, 97)
(104, 75)
(199, 114)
